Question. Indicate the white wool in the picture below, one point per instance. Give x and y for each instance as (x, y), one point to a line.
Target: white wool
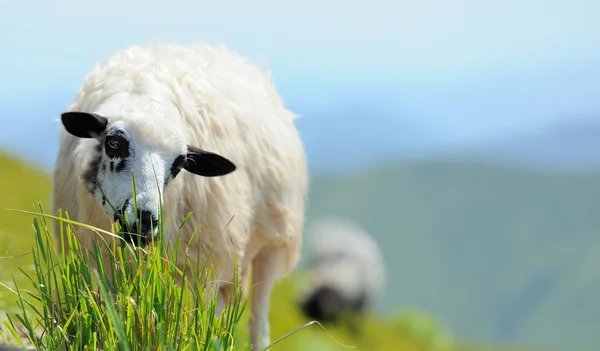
(209, 97)
(351, 259)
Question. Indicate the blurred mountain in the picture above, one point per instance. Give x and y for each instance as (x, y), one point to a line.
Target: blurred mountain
(572, 144)
(350, 135)
(500, 253)
(358, 131)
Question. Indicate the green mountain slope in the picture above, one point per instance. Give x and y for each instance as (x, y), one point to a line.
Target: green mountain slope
(499, 253)
(21, 187)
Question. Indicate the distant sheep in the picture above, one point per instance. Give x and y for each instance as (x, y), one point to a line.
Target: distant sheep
(158, 109)
(346, 271)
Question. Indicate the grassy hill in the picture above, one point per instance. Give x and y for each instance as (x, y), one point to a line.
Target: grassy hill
(501, 254)
(21, 187)
(427, 269)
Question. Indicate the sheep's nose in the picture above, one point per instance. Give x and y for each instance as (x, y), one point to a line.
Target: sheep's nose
(140, 229)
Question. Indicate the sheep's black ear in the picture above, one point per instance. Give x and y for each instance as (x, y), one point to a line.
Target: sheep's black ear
(207, 164)
(84, 125)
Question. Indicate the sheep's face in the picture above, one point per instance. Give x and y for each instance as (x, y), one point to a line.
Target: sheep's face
(120, 152)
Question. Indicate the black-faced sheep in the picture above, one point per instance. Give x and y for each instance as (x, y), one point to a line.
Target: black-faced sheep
(346, 273)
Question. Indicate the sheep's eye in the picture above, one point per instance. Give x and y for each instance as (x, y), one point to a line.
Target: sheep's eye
(113, 144)
(117, 146)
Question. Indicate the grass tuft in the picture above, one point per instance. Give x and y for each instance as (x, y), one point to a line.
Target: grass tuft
(148, 304)
(128, 298)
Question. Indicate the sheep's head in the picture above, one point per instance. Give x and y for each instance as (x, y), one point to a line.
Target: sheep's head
(120, 152)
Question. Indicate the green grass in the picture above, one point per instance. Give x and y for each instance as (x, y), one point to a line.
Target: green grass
(149, 303)
(62, 296)
(74, 307)
(21, 187)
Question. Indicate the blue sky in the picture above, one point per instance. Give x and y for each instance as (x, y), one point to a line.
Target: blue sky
(454, 71)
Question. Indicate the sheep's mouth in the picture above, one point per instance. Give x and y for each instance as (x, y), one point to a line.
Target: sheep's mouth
(140, 240)
(138, 233)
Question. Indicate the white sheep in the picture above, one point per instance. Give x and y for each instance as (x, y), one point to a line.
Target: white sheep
(158, 109)
(346, 270)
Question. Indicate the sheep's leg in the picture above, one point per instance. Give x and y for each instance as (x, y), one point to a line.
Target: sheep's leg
(213, 291)
(224, 297)
(264, 267)
(220, 307)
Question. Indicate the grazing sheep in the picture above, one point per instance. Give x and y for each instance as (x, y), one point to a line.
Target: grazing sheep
(346, 272)
(159, 109)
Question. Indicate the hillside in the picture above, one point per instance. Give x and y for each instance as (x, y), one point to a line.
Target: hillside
(501, 254)
(22, 186)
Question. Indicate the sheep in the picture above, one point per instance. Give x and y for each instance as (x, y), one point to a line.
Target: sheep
(155, 110)
(346, 272)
